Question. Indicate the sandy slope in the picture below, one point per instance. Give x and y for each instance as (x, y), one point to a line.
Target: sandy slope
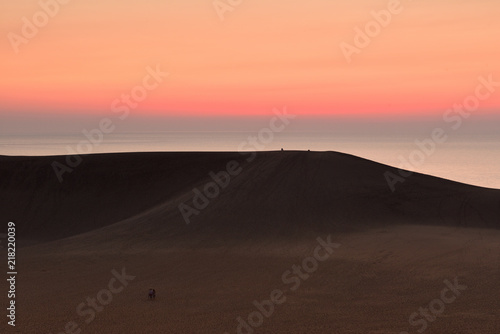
(279, 192)
(121, 211)
(371, 284)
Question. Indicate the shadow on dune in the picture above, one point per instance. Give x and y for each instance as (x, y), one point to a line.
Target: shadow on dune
(278, 193)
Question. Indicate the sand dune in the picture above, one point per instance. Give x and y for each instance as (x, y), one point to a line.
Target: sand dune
(279, 192)
(121, 212)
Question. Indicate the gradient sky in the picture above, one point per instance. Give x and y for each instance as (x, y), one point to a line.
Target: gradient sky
(264, 54)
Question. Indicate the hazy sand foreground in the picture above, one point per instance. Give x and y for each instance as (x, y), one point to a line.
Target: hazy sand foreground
(371, 284)
(113, 229)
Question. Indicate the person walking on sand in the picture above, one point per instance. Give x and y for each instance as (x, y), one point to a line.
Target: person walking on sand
(152, 293)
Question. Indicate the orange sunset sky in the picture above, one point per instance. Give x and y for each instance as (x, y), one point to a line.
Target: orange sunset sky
(263, 54)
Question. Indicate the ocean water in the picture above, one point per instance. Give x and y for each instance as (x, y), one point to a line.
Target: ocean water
(472, 159)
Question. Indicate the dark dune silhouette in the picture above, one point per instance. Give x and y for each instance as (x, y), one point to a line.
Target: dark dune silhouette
(278, 192)
(121, 212)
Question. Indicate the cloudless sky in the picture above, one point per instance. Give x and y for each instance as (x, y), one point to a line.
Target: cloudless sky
(264, 54)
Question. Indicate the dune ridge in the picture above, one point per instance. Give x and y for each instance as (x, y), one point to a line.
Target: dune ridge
(120, 213)
(278, 193)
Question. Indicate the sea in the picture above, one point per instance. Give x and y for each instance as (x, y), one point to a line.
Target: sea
(471, 159)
